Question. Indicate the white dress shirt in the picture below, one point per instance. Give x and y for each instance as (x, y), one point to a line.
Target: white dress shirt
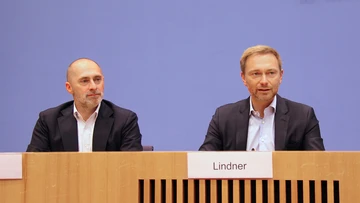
(86, 129)
(261, 132)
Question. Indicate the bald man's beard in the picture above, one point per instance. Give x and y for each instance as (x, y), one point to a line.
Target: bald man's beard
(89, 100)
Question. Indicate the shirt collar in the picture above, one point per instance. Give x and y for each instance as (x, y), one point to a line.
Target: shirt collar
(78, 115)
(273, 105)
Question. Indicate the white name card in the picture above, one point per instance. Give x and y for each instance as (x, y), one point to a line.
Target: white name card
(242, 165)
(10, 166)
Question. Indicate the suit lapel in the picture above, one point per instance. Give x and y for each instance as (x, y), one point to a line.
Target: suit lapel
(281, 123)
(102, 127)
(68, 129)
(242, 123)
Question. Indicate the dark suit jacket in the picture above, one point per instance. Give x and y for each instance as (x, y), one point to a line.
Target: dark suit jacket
(296, 127)
(116, 129)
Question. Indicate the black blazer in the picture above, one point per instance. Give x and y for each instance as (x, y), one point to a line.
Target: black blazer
(296, 127)
(116, 129)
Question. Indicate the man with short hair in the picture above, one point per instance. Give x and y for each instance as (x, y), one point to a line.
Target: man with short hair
(88, 123)
(264, 121)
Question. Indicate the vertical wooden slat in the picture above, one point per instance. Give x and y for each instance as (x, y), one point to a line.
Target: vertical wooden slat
(306, 191)
(236, 191)
(12, 192)
(168, 191)
(158, 190)
(98, 178)
(224, 191)
(146, 191)
(294, 191)
(259, 191)
(271, 191)
(84, 178)
(318, 191)
(247, 190)
(179, 191)
(282, 194)
(213, 191)
(38, 178)
(191, 195)
(202, 191)
(330, 191)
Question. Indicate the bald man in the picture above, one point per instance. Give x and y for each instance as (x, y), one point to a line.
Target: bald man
(88, 123)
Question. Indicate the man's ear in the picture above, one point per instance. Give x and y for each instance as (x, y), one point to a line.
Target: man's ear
(68, 87)
(281, 75)
(243, 78)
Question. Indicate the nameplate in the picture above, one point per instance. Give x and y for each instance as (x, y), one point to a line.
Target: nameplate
(10, 166)
(240, 165)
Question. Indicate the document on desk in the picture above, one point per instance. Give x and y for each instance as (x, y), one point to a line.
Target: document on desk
(240, 165)
(10, 166)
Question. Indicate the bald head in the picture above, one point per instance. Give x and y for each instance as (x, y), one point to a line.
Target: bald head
(78, 65)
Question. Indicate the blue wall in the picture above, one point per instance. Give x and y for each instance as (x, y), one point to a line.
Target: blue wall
(174, 62)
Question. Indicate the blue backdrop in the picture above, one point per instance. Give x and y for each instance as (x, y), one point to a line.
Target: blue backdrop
(175, 62)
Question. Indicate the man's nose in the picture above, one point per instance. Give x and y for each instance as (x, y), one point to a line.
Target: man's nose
(92, 85)
(264, 79)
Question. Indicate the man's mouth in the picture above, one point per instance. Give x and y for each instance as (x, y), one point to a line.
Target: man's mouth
(93, 95)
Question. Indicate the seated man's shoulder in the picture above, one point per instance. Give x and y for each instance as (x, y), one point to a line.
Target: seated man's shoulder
(232, 107)
(117, 109)
(297, 106)
(57, 109)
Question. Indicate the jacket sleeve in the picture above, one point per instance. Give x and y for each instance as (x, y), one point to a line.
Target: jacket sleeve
(213, 141)
(312, 137)
(40, 137)
(131, 137)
